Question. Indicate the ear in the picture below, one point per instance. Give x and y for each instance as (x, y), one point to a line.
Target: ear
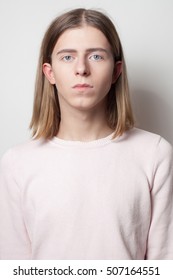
(48, 72)
(117, 71)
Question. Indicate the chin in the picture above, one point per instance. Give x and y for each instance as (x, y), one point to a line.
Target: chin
(85, 106)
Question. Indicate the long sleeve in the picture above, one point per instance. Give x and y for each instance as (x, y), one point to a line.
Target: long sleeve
(160, 238)
(55, 193)
(14, 241)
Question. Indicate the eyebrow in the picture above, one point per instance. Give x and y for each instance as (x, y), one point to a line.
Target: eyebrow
(87, 50)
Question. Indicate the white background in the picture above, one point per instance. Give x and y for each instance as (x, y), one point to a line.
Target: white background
(106, 269)
(146, 31)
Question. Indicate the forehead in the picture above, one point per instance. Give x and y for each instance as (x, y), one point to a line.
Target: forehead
(83, 37)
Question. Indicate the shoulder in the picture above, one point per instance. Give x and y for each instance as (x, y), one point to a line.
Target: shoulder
(146, 139)
(20, 152)
(146, 145)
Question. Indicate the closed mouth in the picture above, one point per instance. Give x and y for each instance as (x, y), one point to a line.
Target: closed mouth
(82, 86)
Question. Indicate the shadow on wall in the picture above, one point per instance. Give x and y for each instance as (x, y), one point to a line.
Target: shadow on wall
(152, 113)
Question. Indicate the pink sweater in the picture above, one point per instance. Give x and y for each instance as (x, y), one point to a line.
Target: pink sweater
(104, 199)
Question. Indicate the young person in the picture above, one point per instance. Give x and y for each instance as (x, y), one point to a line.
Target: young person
(88, 185)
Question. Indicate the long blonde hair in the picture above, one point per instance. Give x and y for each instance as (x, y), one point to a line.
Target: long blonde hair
(46, 111)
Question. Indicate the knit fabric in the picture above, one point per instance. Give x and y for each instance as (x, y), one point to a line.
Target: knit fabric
(103, 199)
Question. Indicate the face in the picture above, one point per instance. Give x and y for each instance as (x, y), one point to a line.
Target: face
(82, 68)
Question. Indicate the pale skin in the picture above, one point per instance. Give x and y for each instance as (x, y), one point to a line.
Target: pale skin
(83, 71)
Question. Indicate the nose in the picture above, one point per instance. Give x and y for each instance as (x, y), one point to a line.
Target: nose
(82, 67)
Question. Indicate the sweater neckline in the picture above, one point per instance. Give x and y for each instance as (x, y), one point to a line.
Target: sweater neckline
(85, 144)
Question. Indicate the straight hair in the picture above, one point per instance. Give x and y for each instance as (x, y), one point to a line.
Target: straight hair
(46, 115)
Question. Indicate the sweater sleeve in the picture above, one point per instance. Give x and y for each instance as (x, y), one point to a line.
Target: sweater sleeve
(160, 238)
(14, 241)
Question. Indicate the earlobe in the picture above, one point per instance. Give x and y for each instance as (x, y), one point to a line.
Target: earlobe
(117, 71)
(47, 70)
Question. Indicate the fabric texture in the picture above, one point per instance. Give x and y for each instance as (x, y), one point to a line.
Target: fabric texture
(103, 199)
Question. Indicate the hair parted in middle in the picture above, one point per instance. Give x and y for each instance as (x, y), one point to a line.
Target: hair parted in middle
(46, 112)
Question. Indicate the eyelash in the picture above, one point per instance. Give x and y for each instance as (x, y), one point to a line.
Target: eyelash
(67, 56)
(95, 57)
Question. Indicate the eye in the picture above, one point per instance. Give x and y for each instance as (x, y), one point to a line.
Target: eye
(67, 58)
(96, 57)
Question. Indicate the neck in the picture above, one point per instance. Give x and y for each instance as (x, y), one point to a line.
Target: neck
(84, 126)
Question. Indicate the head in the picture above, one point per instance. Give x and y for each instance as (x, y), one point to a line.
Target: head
(47, 114)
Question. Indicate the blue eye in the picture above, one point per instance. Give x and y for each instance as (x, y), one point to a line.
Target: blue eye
(96, 57)
(67, 58)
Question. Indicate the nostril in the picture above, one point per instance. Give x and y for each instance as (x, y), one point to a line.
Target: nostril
(83, 73)
(82, 68)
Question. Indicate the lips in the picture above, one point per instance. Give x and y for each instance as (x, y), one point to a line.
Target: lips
(82, 86)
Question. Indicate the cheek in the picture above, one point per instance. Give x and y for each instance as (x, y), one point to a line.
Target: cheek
(61, 78)
(106, 79)
(106, 72)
